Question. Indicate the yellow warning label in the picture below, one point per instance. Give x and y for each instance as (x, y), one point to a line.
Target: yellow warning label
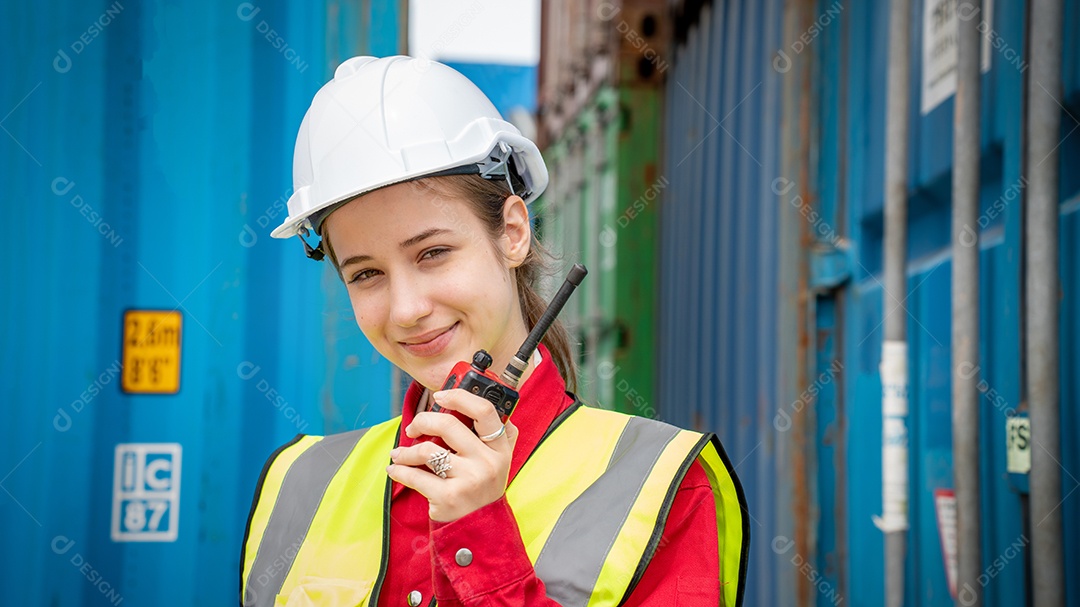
(151, 352)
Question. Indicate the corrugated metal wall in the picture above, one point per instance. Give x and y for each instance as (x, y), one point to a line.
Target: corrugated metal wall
(720, 297)
(771, 304)
(147, 152)
(1005, 530)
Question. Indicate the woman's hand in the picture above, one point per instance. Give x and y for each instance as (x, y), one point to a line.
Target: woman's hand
(479, 470)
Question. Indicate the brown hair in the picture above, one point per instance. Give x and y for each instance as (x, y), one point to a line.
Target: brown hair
(487, 198)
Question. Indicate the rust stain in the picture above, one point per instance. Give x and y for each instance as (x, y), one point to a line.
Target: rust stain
(802, 426)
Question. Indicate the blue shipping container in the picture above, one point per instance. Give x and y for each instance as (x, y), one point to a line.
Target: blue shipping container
(149, 147)
(771, 305)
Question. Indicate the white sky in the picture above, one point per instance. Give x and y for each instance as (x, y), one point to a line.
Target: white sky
(476, 31)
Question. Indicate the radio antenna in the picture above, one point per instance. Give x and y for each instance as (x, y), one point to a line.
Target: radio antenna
(512, 375)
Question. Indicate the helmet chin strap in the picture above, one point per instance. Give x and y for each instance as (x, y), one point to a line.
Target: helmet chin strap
(315, 252)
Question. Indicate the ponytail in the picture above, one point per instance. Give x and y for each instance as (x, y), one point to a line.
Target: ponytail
(557, 338)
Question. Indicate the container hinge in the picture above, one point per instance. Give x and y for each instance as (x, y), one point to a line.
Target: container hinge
(831, 264)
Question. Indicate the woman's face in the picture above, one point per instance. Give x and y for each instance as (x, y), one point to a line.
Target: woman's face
(427, 284)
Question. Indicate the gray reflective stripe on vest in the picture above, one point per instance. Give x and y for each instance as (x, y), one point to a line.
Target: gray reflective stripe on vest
(302, 491)
(571, 559)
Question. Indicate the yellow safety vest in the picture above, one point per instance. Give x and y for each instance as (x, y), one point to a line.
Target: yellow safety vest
(590, 525)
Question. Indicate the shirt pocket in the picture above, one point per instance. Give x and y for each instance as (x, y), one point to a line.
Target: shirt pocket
(326, 592)
(696, 591)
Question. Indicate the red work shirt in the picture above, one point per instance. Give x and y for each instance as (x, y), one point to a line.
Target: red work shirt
(422, 552)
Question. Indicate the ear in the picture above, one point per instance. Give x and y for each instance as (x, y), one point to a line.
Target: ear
(518, 235)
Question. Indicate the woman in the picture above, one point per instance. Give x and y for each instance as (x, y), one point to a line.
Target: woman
(419, 192)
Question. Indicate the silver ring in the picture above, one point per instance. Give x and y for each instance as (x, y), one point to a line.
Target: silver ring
(487, 438)
(439, 463)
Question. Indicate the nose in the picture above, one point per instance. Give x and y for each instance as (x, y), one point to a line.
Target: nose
(409, 301)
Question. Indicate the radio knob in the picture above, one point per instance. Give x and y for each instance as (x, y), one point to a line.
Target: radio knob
(481, 360)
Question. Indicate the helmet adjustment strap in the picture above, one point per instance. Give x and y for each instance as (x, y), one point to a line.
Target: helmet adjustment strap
(496, 164)
(501, 163)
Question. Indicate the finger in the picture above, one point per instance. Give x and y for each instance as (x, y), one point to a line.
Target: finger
(511, 437)
(486, 418)
(422, 480)
(416, 455)
(449, 428)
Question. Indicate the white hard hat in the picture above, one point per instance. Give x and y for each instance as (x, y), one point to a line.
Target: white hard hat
(382, 121)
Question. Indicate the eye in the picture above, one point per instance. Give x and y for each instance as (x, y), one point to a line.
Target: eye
(434, 253)
(363, 275)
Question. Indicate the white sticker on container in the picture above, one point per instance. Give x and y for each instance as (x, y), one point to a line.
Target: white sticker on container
(1018, 444)
(894, 438)
(941, 26)
(146, 492)
(894, 378)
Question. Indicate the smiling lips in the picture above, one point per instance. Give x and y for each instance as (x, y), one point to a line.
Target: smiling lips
(430, 344)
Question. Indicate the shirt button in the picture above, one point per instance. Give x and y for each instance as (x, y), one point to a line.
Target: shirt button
(414, 598)
(463, 557)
